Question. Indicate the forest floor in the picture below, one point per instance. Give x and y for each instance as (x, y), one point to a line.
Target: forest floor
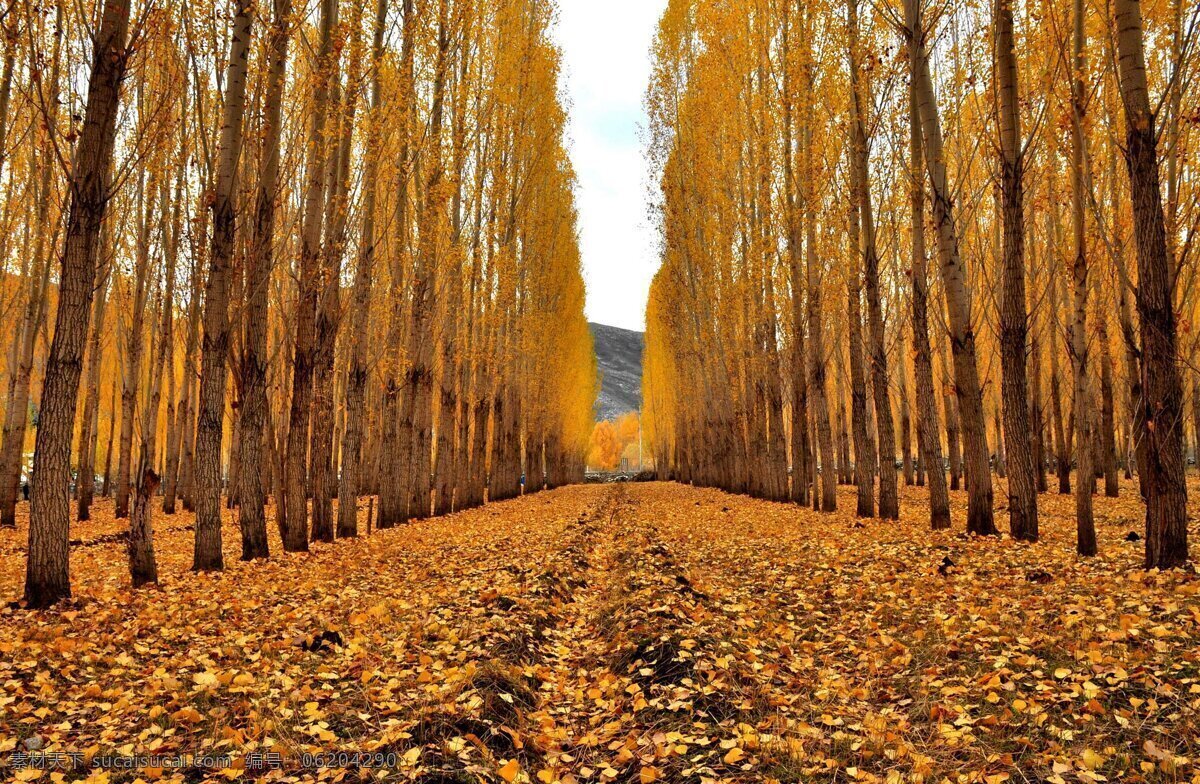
(619, 633)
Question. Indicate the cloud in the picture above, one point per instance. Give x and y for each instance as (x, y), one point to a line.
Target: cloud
(606, 54)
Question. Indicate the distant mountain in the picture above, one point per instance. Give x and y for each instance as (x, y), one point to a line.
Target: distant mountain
(619, 358)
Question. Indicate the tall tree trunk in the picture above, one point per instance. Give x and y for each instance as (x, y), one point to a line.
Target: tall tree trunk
(980, 519)
(818, 399)
(1107, 442)
(356, 381)
(906, 456)
(259, 263)
(777, 457)
(1133, 374)
(1162, 388)
(450, 299)
(1085, 525)
(142, 566)
(802, 469)
(179, 450)
(215, 351)
(953, 443)
(845, 476)
(106, 488)
(889, 498)
(6, 83)
(928, 427)
(133, 346)
(1062, 451)
(1195, 417)
(817, 362)
(1036, 403)
(329, 314)
(802, 463)
(88, 435)
(998, 429)
(169, 335)
(47, 576)
(864, 450)
(397, 412)
(421, 339)
(13, 360)
(295, 508)
(1014, 319)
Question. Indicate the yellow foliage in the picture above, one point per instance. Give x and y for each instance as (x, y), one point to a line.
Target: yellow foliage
(614, 442)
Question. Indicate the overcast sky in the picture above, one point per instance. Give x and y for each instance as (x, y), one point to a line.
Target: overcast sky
(606, 50)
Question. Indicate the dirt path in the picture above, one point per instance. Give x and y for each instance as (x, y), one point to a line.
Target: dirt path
(627, 633)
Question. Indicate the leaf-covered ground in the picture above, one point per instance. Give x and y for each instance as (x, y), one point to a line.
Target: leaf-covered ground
(622, 633)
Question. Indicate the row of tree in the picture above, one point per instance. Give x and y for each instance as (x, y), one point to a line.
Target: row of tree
(813, 154)
(306, 253)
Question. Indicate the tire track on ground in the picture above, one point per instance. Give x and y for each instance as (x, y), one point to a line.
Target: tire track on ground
(646, 683)
(487, 711)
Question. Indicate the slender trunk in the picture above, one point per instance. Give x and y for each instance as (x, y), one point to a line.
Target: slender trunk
(453, 303)
(215, 351)
(906, 456)
(1133, 374)
(6, 83)
(356, 381)
(864, 450)
(845, 476)
(142, 566)
(329, 314)
(421, 338)
(179, 450)
(1107, 441)
(295, 508)
(980, 518)
(169, 337)
(1036, 404)
(953, 453)
(106, 488)
(1195, 419)
(802, 470)
(133, 346)
(1062, 457)
(817, 362)
(889, 498)
(397, 413)
(88, 431)
(997, 428)
(802, 463)
(1017, 446)
(1162, 388)
(47, 577)
(927, 414)
(26, 278)
(260, 262)
(1085, 525)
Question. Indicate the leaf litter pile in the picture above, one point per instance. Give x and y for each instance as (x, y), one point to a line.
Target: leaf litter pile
(621, 633)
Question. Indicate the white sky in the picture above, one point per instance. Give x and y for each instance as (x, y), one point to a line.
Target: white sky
(606, 53)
